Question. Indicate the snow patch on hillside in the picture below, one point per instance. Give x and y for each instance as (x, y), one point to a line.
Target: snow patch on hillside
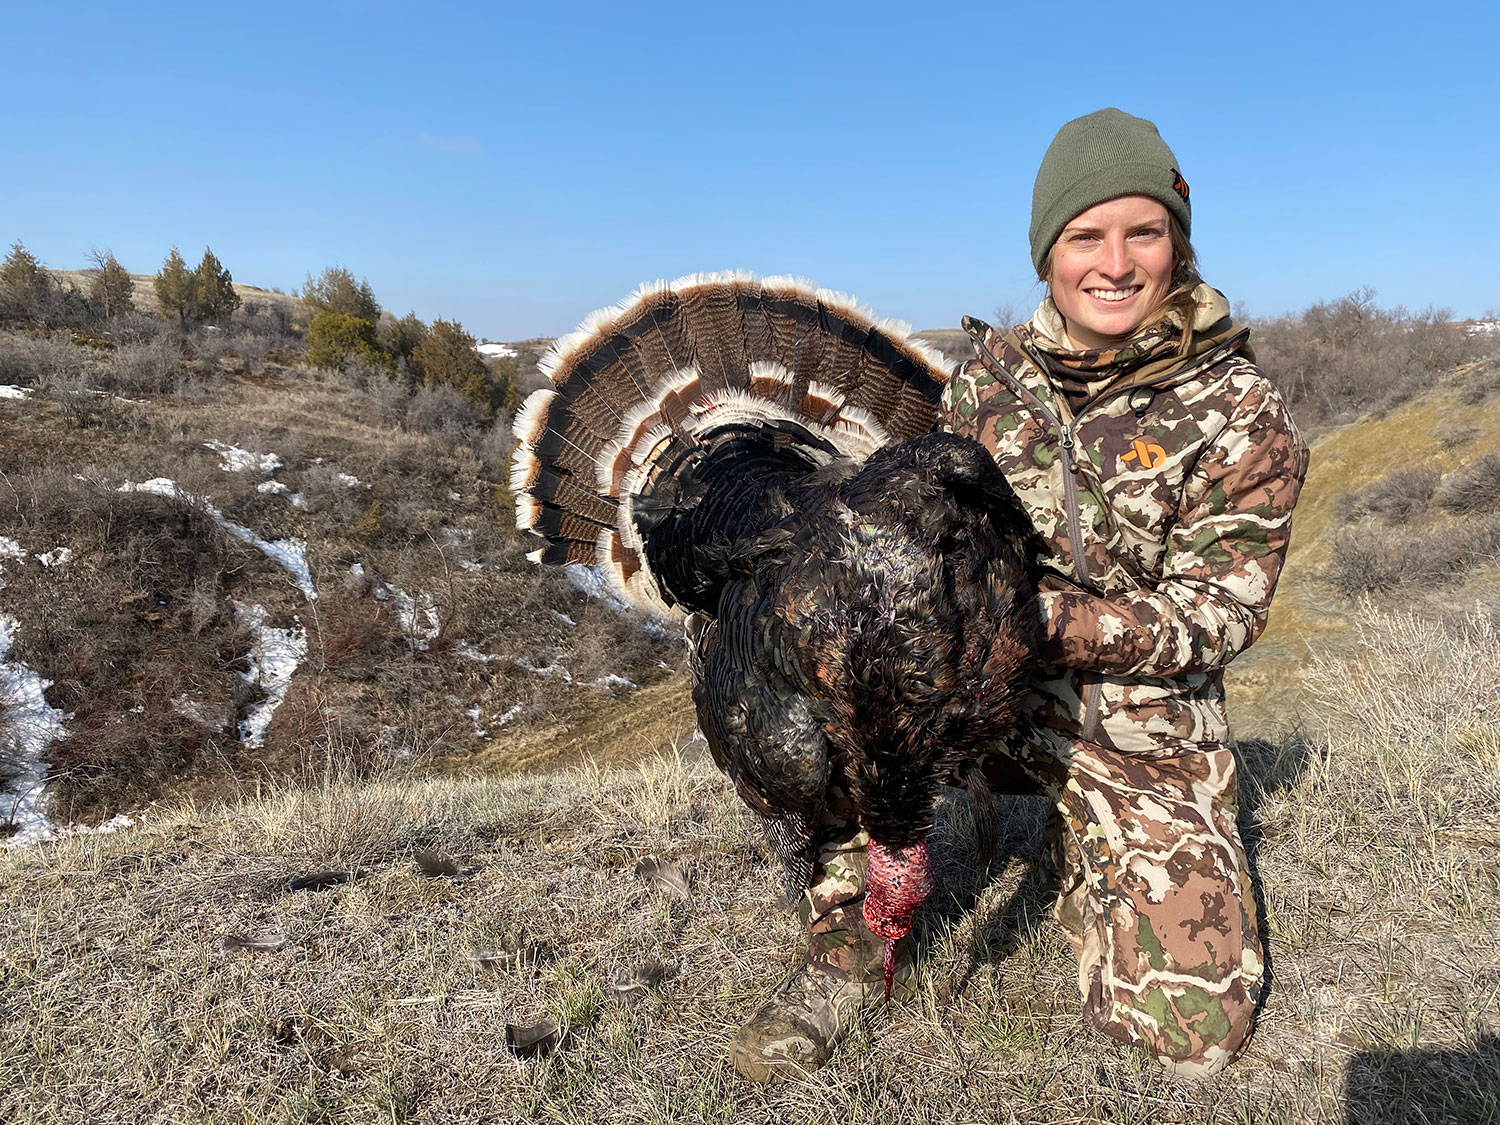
(275, 655)
(235, 460)
(28, 724)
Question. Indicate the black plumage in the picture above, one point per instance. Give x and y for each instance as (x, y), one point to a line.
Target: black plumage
(861, 604)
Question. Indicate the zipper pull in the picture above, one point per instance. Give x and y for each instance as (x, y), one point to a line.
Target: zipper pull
(1067, 451)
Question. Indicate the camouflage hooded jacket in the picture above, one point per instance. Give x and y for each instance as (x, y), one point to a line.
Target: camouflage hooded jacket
(1164, 507)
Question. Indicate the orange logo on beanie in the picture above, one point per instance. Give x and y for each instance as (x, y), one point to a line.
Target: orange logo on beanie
(1179, 185)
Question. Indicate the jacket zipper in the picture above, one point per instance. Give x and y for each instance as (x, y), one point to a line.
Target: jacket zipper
(1088, 727)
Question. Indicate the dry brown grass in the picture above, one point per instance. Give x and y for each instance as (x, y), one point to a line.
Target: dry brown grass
(122, 1002)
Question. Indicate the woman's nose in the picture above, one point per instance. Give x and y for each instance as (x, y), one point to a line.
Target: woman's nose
(1116, 261)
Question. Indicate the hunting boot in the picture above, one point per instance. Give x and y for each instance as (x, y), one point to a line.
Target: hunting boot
(795, 1031)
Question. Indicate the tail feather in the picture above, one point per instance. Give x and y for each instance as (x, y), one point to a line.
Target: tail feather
(643, 385)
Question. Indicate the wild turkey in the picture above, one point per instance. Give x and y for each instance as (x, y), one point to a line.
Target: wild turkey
(760, 455)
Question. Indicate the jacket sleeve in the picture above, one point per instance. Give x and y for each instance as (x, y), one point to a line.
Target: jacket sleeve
(1223, 556)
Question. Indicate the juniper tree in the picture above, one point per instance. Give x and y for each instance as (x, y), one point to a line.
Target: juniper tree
(334, 337)
(175, 284)
(336, 291)
(214, 297)
(24, 282)
(111, 288)
(447, 358)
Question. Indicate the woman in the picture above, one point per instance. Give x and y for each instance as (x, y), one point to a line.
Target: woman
(1161, 468)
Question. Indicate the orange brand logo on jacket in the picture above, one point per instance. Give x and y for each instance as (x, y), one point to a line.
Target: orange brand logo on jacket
(1146, 454)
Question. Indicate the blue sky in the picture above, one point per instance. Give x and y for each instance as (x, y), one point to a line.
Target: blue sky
(515, 166)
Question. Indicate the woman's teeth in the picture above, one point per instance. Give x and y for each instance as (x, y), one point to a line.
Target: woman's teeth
(1114, 294)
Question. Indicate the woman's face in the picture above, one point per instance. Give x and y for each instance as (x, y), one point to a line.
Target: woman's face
(1111, 266)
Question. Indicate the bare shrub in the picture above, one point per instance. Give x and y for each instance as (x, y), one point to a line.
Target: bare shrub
(1397, 496)
(82, 406)
(384, 392)
(152, 365)
(1473, 488)
(209, 347)
(496, 445)
(1340, 359)
(445, 414)
(252, 348)
(1368, 560)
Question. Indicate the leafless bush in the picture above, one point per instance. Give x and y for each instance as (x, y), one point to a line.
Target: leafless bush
(210, 345)
(384, 393)
(1473, 488)
(30, 360)
(445, 414)
(151, 365)
(1343, 358)
(1369, 560)
(1397, 496)
(252, 348)
(495, 446)
(82, 406)
(630, 645)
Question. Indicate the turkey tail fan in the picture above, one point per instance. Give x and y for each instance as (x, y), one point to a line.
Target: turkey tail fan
(702, 393)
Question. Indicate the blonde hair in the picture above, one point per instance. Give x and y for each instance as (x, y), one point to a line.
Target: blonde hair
(1185, 280)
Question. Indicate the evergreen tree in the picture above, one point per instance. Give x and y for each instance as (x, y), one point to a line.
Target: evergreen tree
(334, 337)
(111, 288)
(447, 358)
(175, 285)
(401, 337)
(24, 282)
(336, 291)
(214, 297)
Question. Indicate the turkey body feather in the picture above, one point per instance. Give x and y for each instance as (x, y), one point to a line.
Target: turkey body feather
(861, 600)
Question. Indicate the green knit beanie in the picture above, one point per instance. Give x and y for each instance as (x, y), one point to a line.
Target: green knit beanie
(1102, 156)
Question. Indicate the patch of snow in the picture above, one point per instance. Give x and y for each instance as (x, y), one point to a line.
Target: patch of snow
(348, 480)
(113, 824)
(276, 488)
(546, 671)
(10, 549)
(274, 656)
(235, 460)
(470, 564)
(454, 496)
(564, 618)
(13, 391)
(1489, 326)
(58, 556)
(591, 580)
(509, 715)
(469, 652)
(290, 554)
(419, 616)
(496, 351)
(28, 724)
(604, 683)
(192, 710)
(473, 713)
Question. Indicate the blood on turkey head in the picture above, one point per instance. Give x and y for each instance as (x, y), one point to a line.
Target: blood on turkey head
(897, 883)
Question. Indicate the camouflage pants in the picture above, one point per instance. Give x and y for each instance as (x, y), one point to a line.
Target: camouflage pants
(1154, 876)
(1169, 954)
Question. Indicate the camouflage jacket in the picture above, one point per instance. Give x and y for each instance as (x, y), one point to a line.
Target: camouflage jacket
(1164, 508)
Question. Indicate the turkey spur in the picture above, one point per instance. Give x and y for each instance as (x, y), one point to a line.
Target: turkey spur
(861, 603)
